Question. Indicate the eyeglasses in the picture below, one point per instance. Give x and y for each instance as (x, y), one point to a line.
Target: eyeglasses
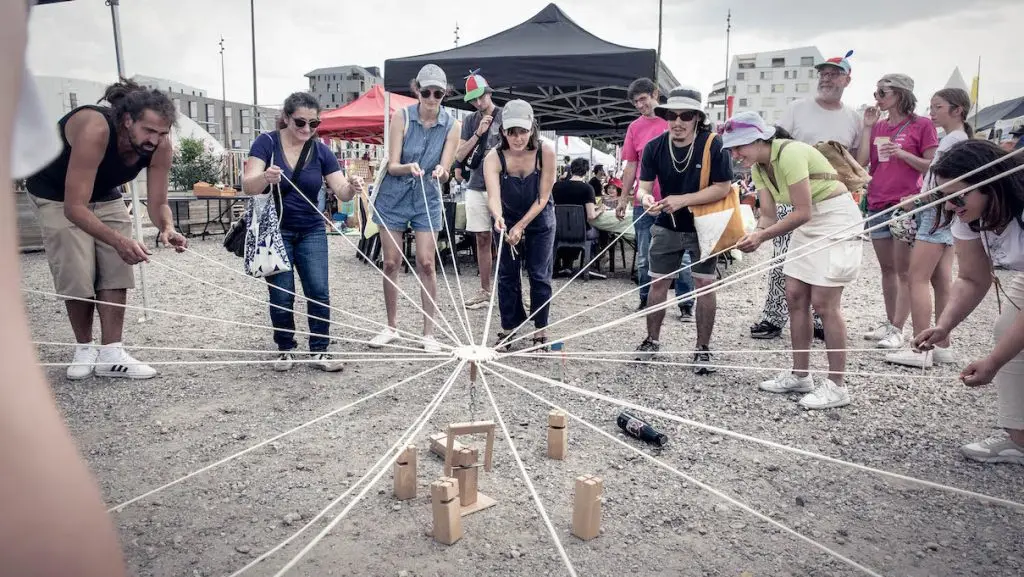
(302, 122)
(516, 131)
(426, 92)
(685, 116)
(830, 74)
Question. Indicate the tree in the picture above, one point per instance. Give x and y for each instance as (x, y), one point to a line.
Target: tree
(194, 162)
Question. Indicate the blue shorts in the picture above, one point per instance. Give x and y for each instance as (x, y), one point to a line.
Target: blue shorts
(873, 220)
(399, 208)
(926, 219)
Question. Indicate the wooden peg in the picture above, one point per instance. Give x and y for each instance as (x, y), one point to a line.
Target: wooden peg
(465, 470)
(558, 434)
(405, 474)
(586, 507)
(444, 495)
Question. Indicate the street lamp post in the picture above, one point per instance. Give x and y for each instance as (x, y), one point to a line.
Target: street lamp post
(255, 109)
(224, 99)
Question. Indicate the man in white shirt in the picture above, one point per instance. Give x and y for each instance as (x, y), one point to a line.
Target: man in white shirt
(811, 120)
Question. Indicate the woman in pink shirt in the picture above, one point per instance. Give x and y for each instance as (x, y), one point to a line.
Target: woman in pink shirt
(899, 149)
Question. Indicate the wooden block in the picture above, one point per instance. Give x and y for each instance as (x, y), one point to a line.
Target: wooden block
(558, 435)
(586, 507)
(465, 457)
(446, 511)
(405, 474)
(467, 477)
(438, 443)
(470, 428)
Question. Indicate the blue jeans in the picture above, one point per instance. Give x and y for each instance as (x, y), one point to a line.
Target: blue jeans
(684, 282)
(307, 252)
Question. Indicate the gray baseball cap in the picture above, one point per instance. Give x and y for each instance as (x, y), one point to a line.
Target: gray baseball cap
(517, 114)
(432, 75)
(897, 81)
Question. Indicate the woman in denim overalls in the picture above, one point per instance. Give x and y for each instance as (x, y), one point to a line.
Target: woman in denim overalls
(424, 137)
(519, 175)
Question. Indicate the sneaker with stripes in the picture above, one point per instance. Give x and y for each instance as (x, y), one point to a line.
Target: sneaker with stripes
(114, 361)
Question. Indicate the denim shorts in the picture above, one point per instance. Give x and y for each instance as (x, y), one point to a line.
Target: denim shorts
(399, 208)
(926, 219)
(873, 220)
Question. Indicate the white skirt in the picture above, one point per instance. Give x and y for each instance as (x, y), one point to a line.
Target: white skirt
(837, 265)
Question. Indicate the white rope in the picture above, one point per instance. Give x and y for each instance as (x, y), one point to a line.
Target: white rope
(384, 469)
(286, 309)
(575, 276)
(772, 444)
(335, 358)
(690, 479)
(398, 444)
(437, 251)
(198, 317)
(121, 506)
(494, 290)
(717, 352)
(408, 335)
(455, 265)
(757, 270)
(450, 332)
(751, 367)
(529, 482)
(419, 353)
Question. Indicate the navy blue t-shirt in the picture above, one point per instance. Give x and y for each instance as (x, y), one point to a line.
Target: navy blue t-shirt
(299, 215)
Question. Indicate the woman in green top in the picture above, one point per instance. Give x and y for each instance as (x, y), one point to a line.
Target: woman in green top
(791, 172)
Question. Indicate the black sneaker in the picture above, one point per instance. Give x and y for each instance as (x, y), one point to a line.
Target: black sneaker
(647, 349)
(765, 330)
(819, 333)
(702, 358)
(643, 305)
(685, 314)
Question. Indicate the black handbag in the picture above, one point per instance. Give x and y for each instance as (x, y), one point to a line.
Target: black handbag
(234, 240)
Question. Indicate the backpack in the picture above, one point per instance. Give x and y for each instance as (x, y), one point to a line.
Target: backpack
(851, 173)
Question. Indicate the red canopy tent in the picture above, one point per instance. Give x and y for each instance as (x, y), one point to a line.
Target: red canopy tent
(361, 120)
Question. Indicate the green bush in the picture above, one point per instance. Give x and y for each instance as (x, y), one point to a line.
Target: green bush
(193, 163)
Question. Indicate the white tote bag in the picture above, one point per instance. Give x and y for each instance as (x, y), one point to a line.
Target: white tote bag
(265, 254)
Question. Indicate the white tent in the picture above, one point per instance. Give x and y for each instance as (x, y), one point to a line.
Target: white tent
(188, 128)
(574, 147)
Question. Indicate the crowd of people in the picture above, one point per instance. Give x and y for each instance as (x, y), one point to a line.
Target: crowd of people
(674, 159)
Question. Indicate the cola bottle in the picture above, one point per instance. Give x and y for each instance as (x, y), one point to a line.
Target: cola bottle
(640, 429)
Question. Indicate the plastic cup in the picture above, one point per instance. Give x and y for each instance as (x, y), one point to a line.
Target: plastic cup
(879, 142)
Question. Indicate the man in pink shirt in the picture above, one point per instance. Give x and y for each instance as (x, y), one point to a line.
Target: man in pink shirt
(644, 95)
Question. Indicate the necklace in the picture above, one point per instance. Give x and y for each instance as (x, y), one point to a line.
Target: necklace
(686, 161)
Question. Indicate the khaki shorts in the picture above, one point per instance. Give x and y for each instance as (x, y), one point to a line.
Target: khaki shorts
(478, 216)
(80, 264)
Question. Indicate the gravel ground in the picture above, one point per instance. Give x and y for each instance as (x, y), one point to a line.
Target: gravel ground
(140, 435)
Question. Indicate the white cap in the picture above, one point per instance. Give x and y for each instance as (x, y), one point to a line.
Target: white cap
(517, 114)
(432, 75)
(744, 128)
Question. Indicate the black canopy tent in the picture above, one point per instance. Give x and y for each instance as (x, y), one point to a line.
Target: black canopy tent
(575, 81)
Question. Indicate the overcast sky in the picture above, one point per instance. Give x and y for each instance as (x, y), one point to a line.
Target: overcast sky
(178, 39)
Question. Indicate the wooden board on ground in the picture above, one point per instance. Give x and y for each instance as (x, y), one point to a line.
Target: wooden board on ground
(482, 502)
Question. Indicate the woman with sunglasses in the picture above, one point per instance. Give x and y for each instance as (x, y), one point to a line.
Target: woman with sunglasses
(792, 172)
(423, 138)
(519, 175)
(988, 228)
(931, 245)
(274, 157)
(899, 149)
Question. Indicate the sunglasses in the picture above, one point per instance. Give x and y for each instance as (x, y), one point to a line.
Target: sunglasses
(685, 116)
(426, 93)
(302, 122)
(881, 93)
(958, 201)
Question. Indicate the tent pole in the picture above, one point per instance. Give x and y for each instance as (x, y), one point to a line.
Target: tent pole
(136, 206)
(256, 126)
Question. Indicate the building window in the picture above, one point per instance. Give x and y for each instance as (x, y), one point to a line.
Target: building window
(812, 73)
(754, 89)
(246, 120)
(236, 144)
(766, 75)
(778, 62)
(229, 120)
(746, 64)
(778, 88)
(741, 76)
(177, 105)
(743, 101)
(802, 87)
(732, 89)
(211, 112)
(73, 99)
(768, 101)
(332, 98)
(193, 110)
(806, 61)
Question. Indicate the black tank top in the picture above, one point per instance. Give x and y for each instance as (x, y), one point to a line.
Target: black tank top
(49, 182)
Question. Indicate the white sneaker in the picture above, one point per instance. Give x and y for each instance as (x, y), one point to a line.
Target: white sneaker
(430, 344)
(828, 395)
(384, 337)
(878, 333)
(114, 361)
(283, 362)
(893, 339)
(998, 448)
(325, 362)
(84, 364)
(788, 383)
(911, 358)
(942, 356)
